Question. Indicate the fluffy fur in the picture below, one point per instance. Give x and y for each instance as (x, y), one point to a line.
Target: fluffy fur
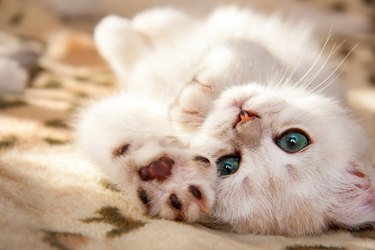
(185, 81)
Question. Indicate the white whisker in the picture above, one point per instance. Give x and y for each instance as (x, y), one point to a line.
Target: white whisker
(283, 76)
(335, 70)
(295, 68)
(317, 58)
(333, 51)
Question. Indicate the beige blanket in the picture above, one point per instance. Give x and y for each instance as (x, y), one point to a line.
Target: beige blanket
(52, 198)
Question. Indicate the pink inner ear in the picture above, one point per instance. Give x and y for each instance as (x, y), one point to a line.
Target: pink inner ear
(357, 173)
(355, 204)
(371, 197)
(363, 182)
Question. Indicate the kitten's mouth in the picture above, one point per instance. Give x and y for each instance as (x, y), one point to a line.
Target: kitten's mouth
(244, 117)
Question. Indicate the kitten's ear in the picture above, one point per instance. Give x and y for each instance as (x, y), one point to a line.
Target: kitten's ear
(355, 199)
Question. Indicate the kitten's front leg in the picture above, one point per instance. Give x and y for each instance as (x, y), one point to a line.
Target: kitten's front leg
(128, 137)
(196, 97)
(192, 105)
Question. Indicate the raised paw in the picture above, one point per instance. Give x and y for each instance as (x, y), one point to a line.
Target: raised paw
(176, 187)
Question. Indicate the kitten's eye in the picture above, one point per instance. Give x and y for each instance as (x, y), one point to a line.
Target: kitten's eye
(228, 164)
(293, 141)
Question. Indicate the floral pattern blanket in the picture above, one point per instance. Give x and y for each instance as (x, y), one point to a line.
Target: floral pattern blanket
(52, 198)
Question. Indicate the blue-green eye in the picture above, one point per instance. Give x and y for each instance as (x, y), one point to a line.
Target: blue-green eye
(293, 141)
(228, 164)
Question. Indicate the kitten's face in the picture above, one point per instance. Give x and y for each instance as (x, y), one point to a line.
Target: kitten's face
(288, 164)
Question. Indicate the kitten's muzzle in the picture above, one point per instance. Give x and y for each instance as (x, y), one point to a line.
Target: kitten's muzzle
(248, 129)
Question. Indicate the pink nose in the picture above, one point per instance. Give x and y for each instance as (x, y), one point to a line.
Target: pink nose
(245, 116)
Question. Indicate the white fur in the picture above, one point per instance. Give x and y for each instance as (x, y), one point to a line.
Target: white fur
(190, 85)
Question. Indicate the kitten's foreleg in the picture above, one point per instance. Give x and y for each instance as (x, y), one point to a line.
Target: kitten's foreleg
(192, 105)
(131, 140)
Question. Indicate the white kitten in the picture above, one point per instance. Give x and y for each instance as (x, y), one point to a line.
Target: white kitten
(237, 93)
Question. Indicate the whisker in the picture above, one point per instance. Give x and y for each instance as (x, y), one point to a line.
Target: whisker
(295, 69)
(317, 58)
(337, 67)
(333, 51)
(330, 83)
(283, 76)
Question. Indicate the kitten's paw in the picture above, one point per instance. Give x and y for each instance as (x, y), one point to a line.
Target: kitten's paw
(192, 105)
(177, 188)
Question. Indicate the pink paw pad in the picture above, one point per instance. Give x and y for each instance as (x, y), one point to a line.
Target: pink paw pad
(157, 170)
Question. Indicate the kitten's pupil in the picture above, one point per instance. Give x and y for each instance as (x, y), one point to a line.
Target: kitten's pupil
(292, 141)
(227, 166)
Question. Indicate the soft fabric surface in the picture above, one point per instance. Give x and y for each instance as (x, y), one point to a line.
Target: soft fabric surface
(52, 198)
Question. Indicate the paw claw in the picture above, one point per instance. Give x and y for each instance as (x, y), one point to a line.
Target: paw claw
(167, 160)
(143, 196)
(195, 192)
(175, 202)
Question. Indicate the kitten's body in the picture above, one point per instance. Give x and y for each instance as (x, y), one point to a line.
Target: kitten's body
(186, 82)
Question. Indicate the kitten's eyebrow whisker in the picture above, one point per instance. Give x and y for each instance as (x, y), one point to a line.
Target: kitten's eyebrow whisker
(299, 63)
(311, 80)
(283, 76)
(333, 51)
(293, 72)
(327, 59)
(317, 58)
(330, 83)
(335, 70)
(297, 83)
(284, 81)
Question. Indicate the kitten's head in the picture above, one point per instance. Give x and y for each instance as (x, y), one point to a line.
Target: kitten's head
(291, 162)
